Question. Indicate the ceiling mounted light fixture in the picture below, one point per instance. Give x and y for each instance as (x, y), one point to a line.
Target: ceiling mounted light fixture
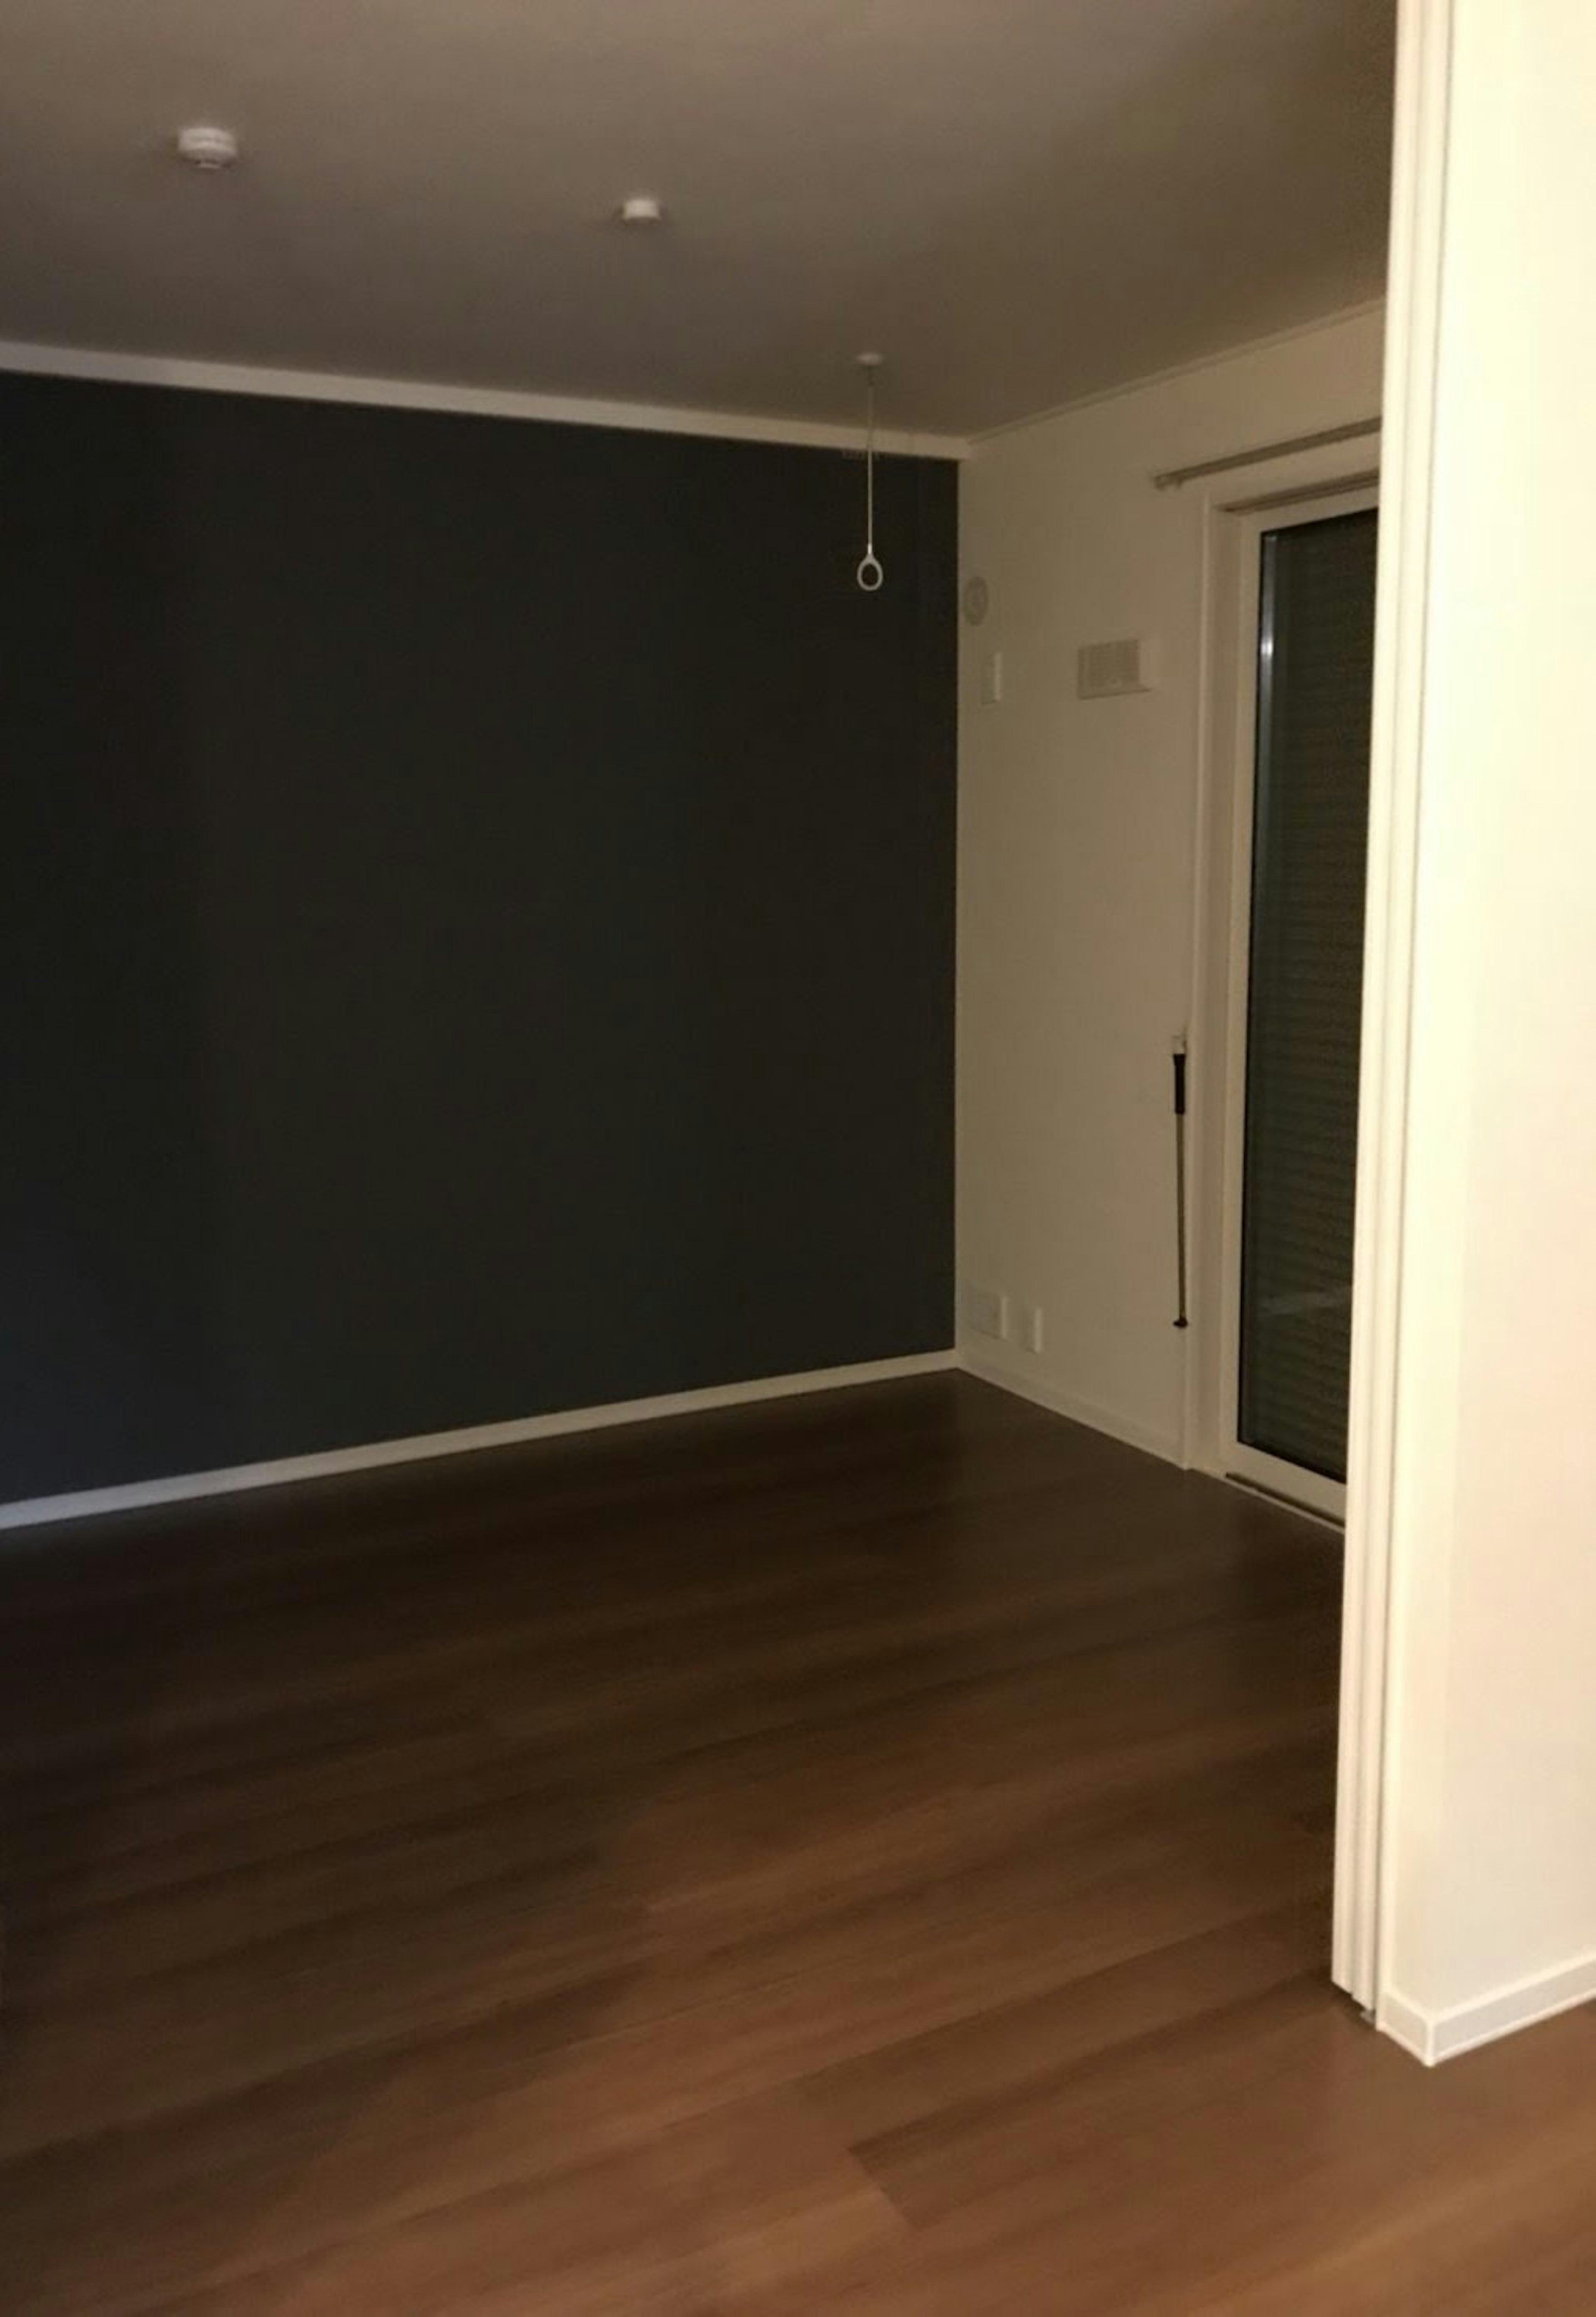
(205, 147)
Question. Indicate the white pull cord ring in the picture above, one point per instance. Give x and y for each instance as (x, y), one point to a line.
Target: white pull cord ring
(869, 577)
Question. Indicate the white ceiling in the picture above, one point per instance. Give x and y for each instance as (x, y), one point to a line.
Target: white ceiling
(1017, 201)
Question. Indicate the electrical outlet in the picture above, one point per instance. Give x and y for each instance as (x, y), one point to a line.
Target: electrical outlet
(987, 1313)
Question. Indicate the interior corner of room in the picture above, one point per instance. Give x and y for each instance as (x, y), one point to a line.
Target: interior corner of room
(1096, 872)
(795, 1229)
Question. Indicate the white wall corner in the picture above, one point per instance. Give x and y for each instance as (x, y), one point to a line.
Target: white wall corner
(1433, 2037)
(1367, 1766)
(1481, 1259)
(1407, 2025)
(1077, 824)
(991, 1363)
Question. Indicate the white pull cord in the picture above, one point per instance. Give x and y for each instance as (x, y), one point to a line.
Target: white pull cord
(869, 575)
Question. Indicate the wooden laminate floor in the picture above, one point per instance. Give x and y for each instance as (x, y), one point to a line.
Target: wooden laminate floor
(867, 1853)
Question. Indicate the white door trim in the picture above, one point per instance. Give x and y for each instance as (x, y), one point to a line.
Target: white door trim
(1361, 1956)
(1312, 490)
(1313, 1489)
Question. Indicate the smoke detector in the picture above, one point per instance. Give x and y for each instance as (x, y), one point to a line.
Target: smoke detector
(205, 147)
(640, 209)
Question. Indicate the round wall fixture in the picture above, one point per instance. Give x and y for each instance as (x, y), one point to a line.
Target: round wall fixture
(977, 600)
(205, 147)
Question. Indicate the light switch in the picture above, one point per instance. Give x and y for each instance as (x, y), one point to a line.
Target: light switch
(991, 680)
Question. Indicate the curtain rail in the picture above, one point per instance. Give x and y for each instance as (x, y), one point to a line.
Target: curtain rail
(1173, 476)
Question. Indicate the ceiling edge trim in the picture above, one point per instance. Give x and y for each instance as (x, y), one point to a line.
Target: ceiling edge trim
(1236, 352)
(472, 401)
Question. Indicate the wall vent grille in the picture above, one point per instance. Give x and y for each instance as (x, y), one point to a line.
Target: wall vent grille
(1107, 670)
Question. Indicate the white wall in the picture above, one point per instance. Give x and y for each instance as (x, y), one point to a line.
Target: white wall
(1077, 868)
(1489, 1850)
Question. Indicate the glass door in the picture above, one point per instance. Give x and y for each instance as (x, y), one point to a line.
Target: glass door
(1301, 967)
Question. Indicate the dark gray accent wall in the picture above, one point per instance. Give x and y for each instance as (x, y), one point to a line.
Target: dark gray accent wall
(478, 923)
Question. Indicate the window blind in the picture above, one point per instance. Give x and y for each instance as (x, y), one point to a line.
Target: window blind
(1309, 846)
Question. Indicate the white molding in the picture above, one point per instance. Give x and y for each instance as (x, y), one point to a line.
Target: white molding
(1263, 1494)
(1433, 2037)
(1027, 1383)
(1406, 2025)
(1369, 1766)
(1302, 486)
(1214, 360)
(1292, 1484)
(470, 401)
(1222, 953)
(85, 1504)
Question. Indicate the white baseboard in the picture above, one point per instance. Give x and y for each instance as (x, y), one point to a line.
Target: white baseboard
(83, 1504)
(1406, 2025)
(1436, 2035)
(1030, 1383)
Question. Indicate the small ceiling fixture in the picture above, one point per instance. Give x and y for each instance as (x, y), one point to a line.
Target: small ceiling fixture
(641, 209)
(205, 147)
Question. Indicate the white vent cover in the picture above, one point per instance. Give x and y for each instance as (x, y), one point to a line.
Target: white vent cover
(1105, 671)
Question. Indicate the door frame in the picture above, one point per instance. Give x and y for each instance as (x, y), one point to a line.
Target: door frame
(1313, 487)
(1313, 481)
(1367, 1769)
(1373, 1591)
(1235, 1458)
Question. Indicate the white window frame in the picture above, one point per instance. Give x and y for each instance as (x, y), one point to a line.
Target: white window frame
(1233, 1457)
